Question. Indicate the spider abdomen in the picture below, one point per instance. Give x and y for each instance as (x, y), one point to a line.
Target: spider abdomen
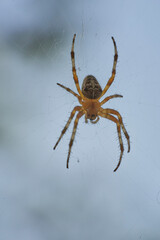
(91, 88)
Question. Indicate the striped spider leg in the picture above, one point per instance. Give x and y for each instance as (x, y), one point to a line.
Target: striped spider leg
(108, 113)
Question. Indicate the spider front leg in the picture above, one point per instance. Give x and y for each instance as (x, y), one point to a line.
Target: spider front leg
(113, 119)
(79, 115)
(77, 108)
(112, 111)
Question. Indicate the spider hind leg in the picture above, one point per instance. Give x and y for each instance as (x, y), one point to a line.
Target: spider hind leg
(75, 77)
(111, 79)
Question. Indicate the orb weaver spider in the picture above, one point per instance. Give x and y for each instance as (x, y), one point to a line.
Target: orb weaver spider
(89, 98)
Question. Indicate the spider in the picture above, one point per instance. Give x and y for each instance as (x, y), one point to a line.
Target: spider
(91, 107)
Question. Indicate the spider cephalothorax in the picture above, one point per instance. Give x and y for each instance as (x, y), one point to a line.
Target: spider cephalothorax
(91, 106)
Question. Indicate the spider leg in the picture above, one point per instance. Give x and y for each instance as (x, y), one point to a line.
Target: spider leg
(69, 90)
(111, 79)
(112, 111)
(112, 118)
(77, 108)
(79, 115)
(110, 97)
(75, 77)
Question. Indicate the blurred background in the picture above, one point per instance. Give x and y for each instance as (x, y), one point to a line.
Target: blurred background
(39, 197)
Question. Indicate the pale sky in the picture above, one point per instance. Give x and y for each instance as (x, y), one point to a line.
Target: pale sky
(40, 198)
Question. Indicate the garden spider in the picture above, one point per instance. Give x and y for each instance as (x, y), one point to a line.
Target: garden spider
(91, 107)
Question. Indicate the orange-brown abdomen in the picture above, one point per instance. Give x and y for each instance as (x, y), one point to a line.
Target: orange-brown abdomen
(91, 88)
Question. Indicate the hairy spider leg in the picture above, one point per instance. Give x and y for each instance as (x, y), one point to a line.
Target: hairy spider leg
(79, 115)
(111, 79)
(112, 111)
(77, 108)
(113, 119)
(75, 77)
(69, 90)
(110, 97)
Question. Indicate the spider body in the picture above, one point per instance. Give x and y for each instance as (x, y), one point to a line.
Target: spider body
(91, 88)
(91, 107)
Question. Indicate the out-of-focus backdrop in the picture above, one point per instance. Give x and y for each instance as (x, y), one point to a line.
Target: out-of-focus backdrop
(39, 197)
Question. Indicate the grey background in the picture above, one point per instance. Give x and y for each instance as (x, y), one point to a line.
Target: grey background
(39, 197)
